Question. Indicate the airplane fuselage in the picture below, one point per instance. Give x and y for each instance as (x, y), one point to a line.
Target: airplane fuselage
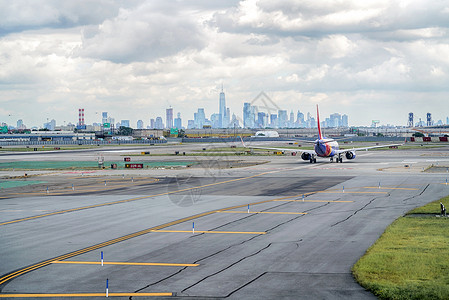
(326, 147)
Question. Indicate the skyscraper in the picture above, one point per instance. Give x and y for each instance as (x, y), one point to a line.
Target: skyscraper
(222, 110)
(140, 124)
(169, 119)
(282, 118)
(344, 121)
(159, 124)
(247, 115)
(199, 118)
(104, 118)
(178, 121)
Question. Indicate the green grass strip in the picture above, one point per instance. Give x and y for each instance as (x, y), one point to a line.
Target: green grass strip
(410, 260)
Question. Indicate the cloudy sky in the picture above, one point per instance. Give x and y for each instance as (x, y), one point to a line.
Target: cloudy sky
(371, 60)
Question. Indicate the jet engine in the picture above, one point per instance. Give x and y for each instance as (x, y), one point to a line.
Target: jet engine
(305, 156)
(350, 155)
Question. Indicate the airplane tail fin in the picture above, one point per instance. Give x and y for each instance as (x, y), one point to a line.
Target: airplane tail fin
(318, 121)
(242, 142)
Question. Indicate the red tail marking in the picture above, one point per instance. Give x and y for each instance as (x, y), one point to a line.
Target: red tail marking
(319, 125)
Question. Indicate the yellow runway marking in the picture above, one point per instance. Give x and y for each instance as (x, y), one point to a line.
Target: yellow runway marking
(336, 201)
(389, 188)
(341, 192)
(86, 295)
(201, 231)
(123, 263)
(81, 189)
(17, 273)
(263, 212)
(132, 199)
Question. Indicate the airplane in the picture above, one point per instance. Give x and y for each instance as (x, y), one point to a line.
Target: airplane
(325, 147)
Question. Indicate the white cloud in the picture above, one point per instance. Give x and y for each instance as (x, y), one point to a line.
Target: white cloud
(136, 58)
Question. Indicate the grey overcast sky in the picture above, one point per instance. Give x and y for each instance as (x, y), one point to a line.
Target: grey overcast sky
(371, 60)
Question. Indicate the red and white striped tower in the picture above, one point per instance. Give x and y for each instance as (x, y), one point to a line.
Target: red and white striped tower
(81, 116)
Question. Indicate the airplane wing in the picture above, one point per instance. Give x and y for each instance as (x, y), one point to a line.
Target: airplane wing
(280, 149)
(366, 148)
(284, 149)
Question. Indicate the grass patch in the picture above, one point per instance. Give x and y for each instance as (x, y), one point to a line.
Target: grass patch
(5, 184)
(410, 260)
(431, 208)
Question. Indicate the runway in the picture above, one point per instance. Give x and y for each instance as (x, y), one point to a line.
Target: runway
(284, 229)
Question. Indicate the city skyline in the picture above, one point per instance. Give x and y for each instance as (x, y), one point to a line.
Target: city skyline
(376, 60)
(254, 117)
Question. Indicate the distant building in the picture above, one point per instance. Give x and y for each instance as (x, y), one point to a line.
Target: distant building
(81, 117)
(429, 119)
(140, 124)
(216, 119)
(410, 120)
(248, 115)
(104, 118)
(169, 117)
(124, 123)
(274, 121)
(261, 120)
(282, 118)
(20, 124)
(234, 122)
(50, 125)
(159, 124)
(178, 121)
(222, 110)
(344, 121)
(152, 124)
(199, 118)
(335, 120)
(300, 119)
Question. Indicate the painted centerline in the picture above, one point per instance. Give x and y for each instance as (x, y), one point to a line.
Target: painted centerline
(123, 263)
(263, 212)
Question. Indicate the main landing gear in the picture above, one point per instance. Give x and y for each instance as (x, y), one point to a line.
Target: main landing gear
(312, 159)
(338, 159)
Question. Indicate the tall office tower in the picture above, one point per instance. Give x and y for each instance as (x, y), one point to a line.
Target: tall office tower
(20, 124)
(152, 124)
(234, 122)
(215, 120)
(261, 120)
(169, 117)
(247, 115)
(335, 120)
(429, 119)
(178, 121)
(300, 119)
(222, 109)
(199, 118)
(104, 118)
(140, 124)
(410, 120)
(81, 116)
(159, 124)
(291, 122)
(282, 118)
(344, 121)
(274, 120)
